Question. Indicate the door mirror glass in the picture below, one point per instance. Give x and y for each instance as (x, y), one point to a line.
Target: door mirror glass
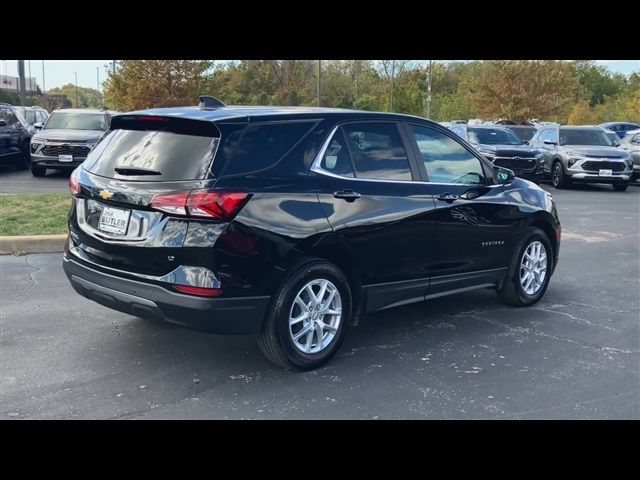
(503, 175)
(38, 125)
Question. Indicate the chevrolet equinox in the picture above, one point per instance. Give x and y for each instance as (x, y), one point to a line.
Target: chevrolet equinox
(292, 222)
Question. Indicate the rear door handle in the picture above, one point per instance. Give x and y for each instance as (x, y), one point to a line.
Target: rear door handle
(447, 197)
(348, 195)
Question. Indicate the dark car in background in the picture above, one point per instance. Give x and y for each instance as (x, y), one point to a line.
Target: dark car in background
(619, 127)
(34, 116)
(67, 138)
(524, 132)
(504, 148)
(292, 222)
(583, 154)
(631, 144)
(15, 135)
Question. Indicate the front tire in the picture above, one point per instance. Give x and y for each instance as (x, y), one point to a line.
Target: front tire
(38, 171)
(620, 187)
(308, 318)
(530, 270)
(558, 177)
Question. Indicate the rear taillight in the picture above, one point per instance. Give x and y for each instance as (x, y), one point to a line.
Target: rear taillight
(74, 186)
(221, 205)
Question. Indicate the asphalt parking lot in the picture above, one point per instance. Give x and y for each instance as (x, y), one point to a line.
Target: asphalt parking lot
(13, 180)
(575, 355)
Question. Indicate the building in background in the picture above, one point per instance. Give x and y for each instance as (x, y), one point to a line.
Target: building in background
(12, 84)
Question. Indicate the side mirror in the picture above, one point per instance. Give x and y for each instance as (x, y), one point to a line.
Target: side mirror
(3, 123)
(38, 125)
(526, 142)
(503, 176)
(549, 142)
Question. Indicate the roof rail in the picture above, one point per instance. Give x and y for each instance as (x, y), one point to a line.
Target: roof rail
(207, 101)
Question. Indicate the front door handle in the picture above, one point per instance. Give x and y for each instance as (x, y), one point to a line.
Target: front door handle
(447, 197)
(348, 195)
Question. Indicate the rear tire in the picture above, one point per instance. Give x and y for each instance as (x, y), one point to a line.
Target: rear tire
(276, 340)
(38, 171)
(620, 187)
(513, 291)
(558, 177)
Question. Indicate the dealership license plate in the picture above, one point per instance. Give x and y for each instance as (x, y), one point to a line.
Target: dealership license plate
(605, 173)
(114, 220)
(65, 158)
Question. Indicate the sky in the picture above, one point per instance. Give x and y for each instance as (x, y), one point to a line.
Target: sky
(61, 72)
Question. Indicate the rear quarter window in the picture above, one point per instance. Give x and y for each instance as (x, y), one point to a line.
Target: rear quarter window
(263, 145)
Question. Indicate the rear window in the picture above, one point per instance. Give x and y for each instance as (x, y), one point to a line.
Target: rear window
(77, 121)
(265, 144)
(152, 155)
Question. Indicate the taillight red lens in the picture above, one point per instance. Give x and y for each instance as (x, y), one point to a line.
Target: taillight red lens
(220, 205)
(74, 186)
(207, 292)
(150, 118)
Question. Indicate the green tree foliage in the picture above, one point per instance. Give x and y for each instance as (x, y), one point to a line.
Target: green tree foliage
(563, 91)
(87, 97)
(156, 83)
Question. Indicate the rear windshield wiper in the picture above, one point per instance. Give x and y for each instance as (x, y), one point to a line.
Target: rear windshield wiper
(135, 171)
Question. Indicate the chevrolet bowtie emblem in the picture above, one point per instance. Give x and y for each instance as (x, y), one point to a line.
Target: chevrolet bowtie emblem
(106, 194)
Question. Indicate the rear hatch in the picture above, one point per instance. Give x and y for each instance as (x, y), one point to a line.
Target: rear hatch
(121, 217)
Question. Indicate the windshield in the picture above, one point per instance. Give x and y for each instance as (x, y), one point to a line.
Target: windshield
(595, 137)
(525, 133)
(77, 121)
(493, 136)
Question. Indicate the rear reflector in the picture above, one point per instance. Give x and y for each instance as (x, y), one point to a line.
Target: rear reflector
(220, 205)
(203, 291)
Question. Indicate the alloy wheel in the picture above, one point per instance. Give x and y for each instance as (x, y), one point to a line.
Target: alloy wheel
(315, 316)
(533, 268)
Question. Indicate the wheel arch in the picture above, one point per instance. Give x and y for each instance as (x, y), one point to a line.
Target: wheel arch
(547, 225)
(333, 250)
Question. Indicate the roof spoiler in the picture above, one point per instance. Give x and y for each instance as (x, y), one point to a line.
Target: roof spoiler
(207, 101)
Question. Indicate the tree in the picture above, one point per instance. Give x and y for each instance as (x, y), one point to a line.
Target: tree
(581, 114)
(522, 89)
(87, 97)
(597, 82)
(138, 84)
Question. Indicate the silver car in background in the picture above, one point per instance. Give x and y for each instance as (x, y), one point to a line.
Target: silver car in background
(67, 138)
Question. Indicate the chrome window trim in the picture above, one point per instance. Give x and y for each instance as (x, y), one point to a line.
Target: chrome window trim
(315, 167)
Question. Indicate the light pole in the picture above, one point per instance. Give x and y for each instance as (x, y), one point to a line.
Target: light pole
(393, 71)
(318, 84)
(98, 82)
(429, 91)
(355, 105)
(76, 74)
(43, 89)
(21, 79)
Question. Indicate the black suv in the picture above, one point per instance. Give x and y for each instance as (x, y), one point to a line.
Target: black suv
(15, 135)
(504, 148)
(292, 222)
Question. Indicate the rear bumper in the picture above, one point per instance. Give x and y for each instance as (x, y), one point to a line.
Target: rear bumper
(243, 315)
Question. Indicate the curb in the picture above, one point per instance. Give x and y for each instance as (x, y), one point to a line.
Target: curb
(32, 244)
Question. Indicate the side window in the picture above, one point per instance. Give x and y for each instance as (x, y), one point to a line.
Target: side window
(446, 160)
(336, 157)
(40, 117)
(553, 135)
(636, 139)
(10, 117)
(377, 151)
(544, 135)
(264, 144)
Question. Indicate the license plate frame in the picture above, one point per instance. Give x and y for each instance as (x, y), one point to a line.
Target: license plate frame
(114, 220)
(65, 158)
